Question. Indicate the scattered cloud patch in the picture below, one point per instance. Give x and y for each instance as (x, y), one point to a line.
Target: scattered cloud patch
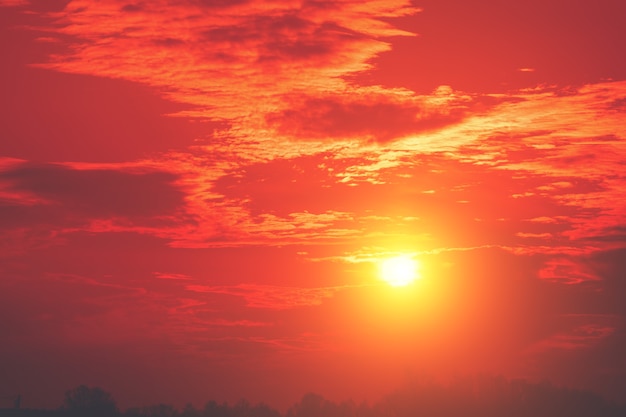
(99, 193)
(271, 297)
(567, 271)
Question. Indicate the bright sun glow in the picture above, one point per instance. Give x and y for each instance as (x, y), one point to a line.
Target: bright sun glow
(399, 271)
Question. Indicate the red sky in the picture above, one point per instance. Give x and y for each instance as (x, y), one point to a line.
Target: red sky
(196, 195)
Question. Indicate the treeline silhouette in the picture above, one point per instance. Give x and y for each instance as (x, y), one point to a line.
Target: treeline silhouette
(475, 396)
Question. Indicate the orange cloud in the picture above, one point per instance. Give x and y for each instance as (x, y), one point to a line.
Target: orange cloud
(585, 332)
(567, 271)
(272, 297)
(373, 119)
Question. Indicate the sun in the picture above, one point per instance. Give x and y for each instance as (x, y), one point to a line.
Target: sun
(399, 271)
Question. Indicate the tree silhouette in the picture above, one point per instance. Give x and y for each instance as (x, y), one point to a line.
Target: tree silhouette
(190, 411)
(213, 409)
(466, 396)
(89, 402)
(489, 396)
(160, 410)
(314, 405)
